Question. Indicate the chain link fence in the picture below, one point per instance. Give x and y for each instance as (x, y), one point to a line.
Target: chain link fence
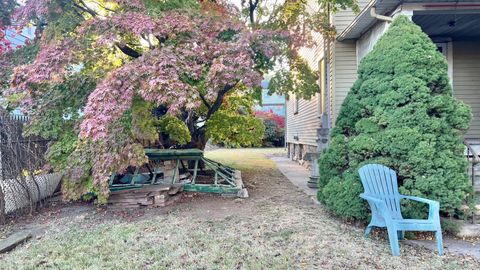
(23, 185)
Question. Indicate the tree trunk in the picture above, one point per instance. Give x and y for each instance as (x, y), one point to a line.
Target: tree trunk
(252, 6)
(198, 140)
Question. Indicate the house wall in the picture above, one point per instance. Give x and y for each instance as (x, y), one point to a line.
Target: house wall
(466, 80)
(301, 126)
(343, 62)
(344, 68)
(366, 42)
(343, 18)
(304, 122)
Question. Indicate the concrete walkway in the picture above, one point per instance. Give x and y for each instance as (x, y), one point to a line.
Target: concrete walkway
(452, 245)
(296, 173)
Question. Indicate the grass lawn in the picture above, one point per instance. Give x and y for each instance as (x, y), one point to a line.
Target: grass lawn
(278, 227)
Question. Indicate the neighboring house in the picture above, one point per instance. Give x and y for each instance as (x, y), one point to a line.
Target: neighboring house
(271, 102)
(18, 39)
(453, 25)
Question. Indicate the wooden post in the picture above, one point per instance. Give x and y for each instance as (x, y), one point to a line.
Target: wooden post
(134, 176)
(195, 168)
(175, 171)
(154, 177)
(112, 177)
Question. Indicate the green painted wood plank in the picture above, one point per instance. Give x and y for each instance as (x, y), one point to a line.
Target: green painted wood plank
(211, 189)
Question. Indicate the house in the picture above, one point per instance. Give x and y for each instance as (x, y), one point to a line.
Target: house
(452, 25)
(271, 102)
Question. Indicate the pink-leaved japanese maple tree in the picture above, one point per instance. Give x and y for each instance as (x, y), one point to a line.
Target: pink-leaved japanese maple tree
(112, 77)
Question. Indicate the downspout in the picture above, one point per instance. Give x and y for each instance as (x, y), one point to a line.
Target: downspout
(374, 14)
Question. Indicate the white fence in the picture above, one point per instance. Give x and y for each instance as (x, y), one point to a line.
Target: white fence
(19, 193)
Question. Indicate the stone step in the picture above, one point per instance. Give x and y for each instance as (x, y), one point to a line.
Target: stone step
(14, 240)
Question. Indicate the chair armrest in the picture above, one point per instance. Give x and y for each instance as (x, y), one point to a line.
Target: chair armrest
(434, 206)
(380, 204)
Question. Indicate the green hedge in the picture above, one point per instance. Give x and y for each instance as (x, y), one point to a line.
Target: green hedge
(401, 113)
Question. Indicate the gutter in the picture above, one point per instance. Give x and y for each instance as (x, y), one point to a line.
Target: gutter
(374, 14)
(368, 14)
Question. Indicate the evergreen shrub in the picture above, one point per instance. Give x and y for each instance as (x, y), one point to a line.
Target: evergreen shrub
(401, 113)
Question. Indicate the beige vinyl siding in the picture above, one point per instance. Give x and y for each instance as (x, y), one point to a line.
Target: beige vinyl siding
(343, 61)
(303, 124)
(313, 54)
(344, 74)
(343, 18)
(306, 121)
(466, 80)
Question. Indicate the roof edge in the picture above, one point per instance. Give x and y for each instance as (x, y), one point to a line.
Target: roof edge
(365, 10)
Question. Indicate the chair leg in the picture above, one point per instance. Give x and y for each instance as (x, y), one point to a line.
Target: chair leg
(438, 237)
(393, 237)
(401, 235)
(368, 230)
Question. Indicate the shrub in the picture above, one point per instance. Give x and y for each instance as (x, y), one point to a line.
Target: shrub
(270, 115)
(274, 134)
(341, 196)
(451, 226)
(274, 128)
(400, 113)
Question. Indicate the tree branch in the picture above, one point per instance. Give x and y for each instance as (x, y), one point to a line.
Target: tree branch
(85, 8)
(205, 101)
(252, 6)
(219, 100)
(127, 50)
(161, 39)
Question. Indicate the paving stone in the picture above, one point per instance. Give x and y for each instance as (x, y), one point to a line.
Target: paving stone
(14, 240)
(296, 173)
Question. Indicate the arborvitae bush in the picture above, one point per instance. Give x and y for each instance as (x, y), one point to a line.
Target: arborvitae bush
(400, 113)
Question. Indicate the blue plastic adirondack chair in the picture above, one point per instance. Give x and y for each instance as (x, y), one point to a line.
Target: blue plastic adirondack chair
(381, 192)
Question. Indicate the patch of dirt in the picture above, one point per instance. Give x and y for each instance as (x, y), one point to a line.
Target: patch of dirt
(262, 186)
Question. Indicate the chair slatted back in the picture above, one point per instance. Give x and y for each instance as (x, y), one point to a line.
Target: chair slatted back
(381, 182)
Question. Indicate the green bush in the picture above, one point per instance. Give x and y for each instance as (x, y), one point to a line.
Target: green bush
(336, 192)
(400, 113)
(451, 226)
(274, 134)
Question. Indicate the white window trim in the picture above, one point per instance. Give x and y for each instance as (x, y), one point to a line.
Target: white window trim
(322, 82)
(295, 104)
